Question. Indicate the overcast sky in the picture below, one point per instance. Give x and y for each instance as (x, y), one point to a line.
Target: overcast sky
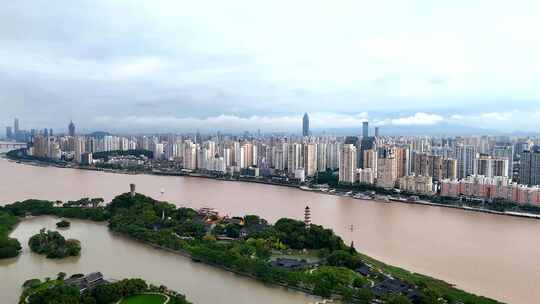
(242, 65)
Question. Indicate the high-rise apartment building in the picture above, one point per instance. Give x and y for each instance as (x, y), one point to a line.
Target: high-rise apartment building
(449, 169)
(508, 153)
(294, 156)
(465, 155)
(435, 166)
(310, 159)
(403, 161)
(40, 148)
(321, 157)
(370, 161)
(366, 143)
(491, 166)
(79, 149)
(386, 171)
(333, 153)
(278, 158)
(529, 169)
(159, 151)
(189, 156)
(347, 164)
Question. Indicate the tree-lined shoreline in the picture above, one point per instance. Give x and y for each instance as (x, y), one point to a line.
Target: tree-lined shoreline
(497, 206)
(251, 246)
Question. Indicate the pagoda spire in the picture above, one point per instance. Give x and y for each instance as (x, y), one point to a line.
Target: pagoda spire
(307, 217)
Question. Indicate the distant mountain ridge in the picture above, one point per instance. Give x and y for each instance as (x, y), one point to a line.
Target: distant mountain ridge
(442, 129)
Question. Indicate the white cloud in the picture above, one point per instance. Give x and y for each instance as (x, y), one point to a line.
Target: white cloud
(512, 120)
(418, 119)
(234, 123)
(501, 116)
(108, 58)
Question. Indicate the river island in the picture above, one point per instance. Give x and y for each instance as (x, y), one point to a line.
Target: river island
(296, 254)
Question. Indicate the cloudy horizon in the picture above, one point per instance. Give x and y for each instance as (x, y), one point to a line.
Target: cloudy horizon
(131, 66)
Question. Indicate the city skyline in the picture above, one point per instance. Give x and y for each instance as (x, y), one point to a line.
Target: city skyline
(296, 128)
(166, 66)
(269, 151)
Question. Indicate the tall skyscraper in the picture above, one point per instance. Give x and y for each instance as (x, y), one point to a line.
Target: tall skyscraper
(9, 132)
(16, 126)
(71, 129)
(376, 131)
(365, 129)
(305, 125)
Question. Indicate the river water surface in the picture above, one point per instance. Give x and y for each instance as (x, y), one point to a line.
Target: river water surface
(118, 257)
(488, 254)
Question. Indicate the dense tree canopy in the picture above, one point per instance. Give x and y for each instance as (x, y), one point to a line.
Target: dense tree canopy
(9, 247)
(106, 154)
(294, 234)
(58, 292)
(54, 245)
(251, 247)
(63, 224)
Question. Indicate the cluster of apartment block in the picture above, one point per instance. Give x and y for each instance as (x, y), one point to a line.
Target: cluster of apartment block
(489, 188)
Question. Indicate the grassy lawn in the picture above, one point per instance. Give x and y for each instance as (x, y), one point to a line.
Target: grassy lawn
(310, 255)
(145, 299)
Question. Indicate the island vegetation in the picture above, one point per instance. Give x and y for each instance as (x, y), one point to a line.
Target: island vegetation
(53, 245)
(106, 154)
(308, 258)
(68, 291)
(63, 224)
(9, 247)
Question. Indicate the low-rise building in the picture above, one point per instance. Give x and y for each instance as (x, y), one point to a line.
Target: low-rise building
(490, 188)
(416, 184)
(365, 176)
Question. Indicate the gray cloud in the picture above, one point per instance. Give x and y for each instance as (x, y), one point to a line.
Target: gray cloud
(88, 60)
